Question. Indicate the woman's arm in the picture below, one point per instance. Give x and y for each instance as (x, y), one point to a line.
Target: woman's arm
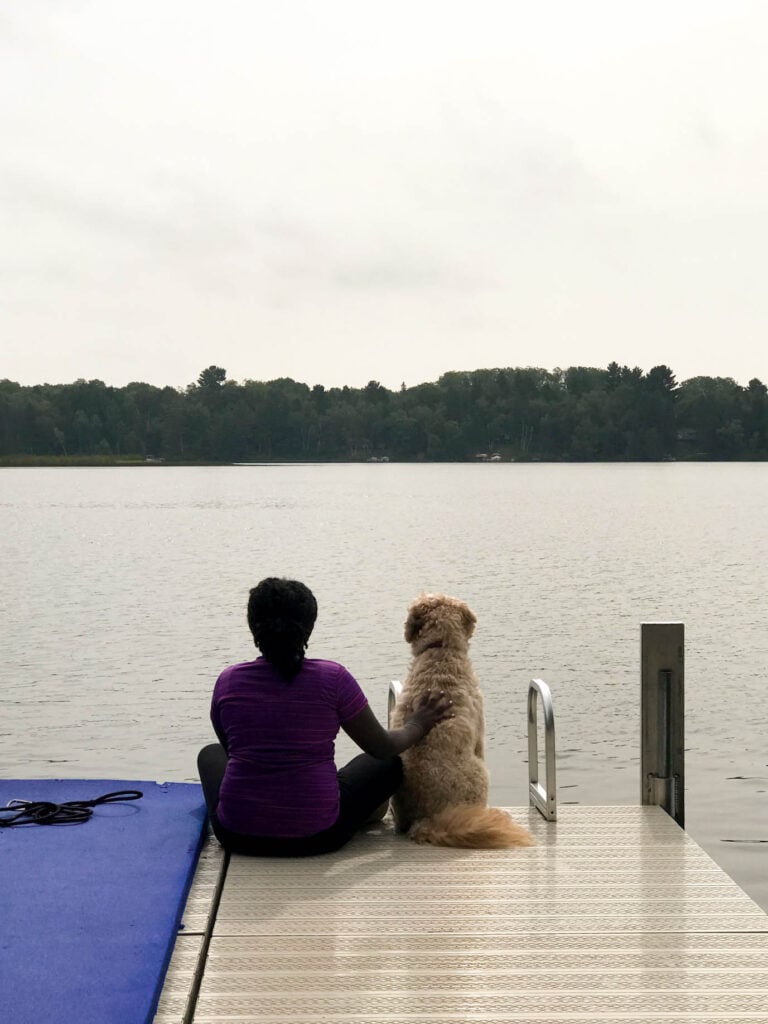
(216, 723)
(368, 733)
(220, 735)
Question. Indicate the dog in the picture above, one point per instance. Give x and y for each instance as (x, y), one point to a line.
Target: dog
(444, 795)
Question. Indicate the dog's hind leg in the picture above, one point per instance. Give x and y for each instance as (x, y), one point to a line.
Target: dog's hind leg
(401, 819)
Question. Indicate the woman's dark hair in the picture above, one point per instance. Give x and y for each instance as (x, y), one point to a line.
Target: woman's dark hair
(281, 616)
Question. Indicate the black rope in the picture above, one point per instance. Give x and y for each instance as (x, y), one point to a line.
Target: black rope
(73, 812)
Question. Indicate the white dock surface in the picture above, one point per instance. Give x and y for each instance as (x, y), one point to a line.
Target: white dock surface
(615, 915)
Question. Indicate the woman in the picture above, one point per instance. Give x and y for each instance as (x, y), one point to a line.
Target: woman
(270, 783)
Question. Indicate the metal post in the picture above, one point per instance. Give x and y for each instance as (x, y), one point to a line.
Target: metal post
(544, 800)
(662, 760)
(393, 694)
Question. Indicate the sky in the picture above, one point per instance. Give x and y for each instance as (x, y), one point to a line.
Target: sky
(343, 191)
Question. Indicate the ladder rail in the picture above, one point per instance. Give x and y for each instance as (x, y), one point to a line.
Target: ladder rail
(543, 798)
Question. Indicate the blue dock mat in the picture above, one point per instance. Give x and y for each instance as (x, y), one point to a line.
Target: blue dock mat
(89, 913)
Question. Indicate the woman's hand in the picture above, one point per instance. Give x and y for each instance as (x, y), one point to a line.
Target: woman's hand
(365, 730)
(431, 709)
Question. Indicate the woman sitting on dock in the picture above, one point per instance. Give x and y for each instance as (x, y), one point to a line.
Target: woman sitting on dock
(270, 783)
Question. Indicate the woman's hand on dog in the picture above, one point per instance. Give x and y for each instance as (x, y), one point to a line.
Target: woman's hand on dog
(431, 709)
(369, 735)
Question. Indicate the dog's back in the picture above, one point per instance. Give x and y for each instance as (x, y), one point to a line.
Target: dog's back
(443, 799)
(446, 767)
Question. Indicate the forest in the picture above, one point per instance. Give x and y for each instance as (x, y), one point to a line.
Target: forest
(524, 414)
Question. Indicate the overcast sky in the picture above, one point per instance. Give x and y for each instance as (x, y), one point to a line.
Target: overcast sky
(344, 191)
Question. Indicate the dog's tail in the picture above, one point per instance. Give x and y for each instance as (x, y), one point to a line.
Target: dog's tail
(471, 827)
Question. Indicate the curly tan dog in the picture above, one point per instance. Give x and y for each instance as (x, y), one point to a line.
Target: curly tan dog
(443, 799)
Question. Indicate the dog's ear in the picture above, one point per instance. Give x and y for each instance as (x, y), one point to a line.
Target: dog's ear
(468, 621)
(414, 622)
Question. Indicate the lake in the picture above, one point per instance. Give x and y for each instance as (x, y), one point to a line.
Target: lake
(124, 589)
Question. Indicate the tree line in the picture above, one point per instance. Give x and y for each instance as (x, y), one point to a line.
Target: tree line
(525, 413)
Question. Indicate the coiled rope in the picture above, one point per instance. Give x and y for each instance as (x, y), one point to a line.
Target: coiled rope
(72, 812)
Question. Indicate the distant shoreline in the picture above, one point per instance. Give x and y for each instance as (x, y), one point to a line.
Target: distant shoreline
(525, 414)
(101, 462)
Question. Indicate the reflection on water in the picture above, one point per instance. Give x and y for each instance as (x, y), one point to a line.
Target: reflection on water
(124, 594)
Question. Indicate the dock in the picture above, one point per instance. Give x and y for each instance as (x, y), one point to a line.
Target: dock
(615, 914)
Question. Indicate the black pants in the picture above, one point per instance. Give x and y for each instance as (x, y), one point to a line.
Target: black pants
(364, 784)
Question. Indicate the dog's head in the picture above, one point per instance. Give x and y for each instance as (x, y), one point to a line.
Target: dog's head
(435, 620)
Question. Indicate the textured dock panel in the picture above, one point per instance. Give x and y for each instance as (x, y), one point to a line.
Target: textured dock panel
(615, 915)
(188, 957)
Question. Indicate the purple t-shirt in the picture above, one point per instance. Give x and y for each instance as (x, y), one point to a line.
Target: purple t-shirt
(281, 776)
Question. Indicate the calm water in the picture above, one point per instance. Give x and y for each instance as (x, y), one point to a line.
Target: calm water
(123, 594)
